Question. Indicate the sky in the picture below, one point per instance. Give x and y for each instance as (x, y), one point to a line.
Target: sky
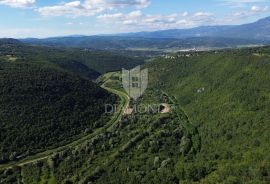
(47, 18)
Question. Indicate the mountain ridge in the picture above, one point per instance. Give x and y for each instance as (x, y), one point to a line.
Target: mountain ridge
(206, 37)
(200, 31)
(214, 31)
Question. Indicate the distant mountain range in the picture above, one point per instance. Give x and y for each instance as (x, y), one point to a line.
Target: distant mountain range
(257, 33)
(259, 30)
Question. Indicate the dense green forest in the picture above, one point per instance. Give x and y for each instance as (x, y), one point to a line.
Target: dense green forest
(47, 96)
(151, 42)
(143, 146)
(43, 107)
(216, 131)
(226, 94)
(84, 62)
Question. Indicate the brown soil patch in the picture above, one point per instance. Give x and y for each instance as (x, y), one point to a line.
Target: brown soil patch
(165, 108)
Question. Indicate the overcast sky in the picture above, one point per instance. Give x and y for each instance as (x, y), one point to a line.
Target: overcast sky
(45, 18)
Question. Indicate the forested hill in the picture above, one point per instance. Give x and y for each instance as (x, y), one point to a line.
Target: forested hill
(84, 62)
(115, 43)
(43, 107)
(48, 98)
(216, 129)
(226, 94)
(9, 41)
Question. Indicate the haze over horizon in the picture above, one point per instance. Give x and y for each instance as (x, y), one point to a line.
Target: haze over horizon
(39, 18)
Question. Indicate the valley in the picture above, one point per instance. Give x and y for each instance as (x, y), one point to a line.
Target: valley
(134, 92)
(124, 100)
(209, 116)
(115, 137)
(184, 144)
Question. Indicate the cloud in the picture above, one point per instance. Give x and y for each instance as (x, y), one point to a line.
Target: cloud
(202, 17)
(18, 3)
(258, 9)
(240, 3)
(124, 3)
(239, 16)
(253, 11)
(90, 7)
(74, 8)
(202, 14)
(184, 14)
(137, 19)
(70, 23)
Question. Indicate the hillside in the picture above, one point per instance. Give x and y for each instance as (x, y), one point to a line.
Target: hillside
(216, 129)
(44, 107)
(145, 147)
(48, 98)
(226, 95)
(138, 42)
(84, 62)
